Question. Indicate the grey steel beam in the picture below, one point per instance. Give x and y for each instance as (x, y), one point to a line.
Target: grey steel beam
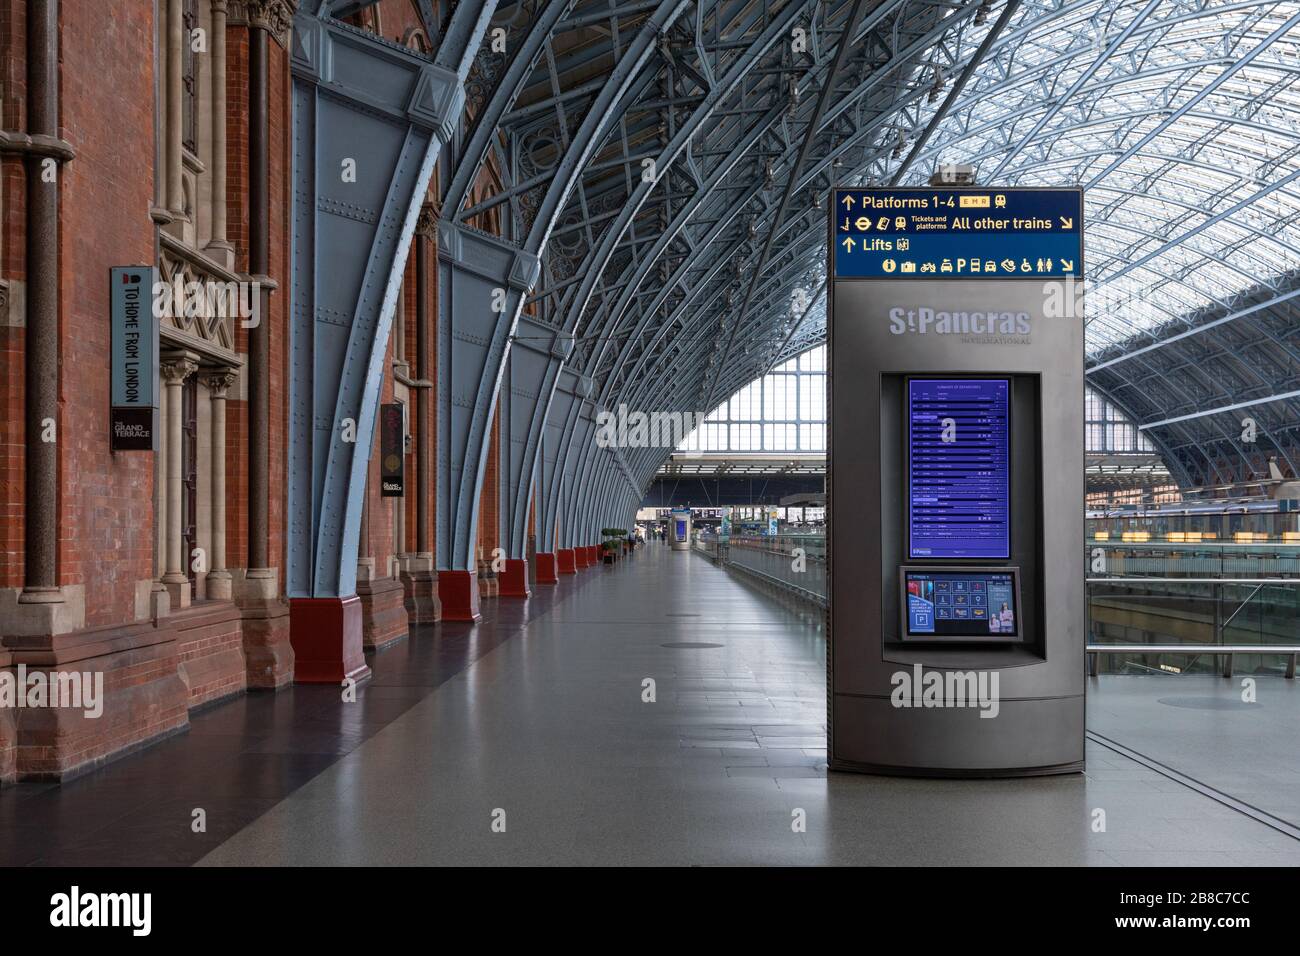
(369, 120)
(480, 335)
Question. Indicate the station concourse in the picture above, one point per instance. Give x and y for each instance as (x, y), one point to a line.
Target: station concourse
(684, 432)
(541, 715)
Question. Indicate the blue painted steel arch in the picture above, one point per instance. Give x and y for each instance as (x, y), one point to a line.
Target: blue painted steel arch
(385, 111)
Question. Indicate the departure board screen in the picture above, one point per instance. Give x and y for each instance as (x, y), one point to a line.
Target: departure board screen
(959, 468)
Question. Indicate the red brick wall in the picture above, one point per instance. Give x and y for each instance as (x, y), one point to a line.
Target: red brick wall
(209, 644)
(13, 93)
(106, 506)
(434, 458)
(489, 511)
(108, 104)
(281, 199)
(237, 234)
(410, 304)
(489, 507)
(13, 67)
(407, 304)
(279, 148)
(381, 509)
(396, 19)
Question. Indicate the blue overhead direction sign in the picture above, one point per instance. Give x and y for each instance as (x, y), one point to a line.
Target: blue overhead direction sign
(966, 233)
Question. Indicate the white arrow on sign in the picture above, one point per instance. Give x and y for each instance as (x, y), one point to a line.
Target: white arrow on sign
(1067, 222)
(1067, 265)
(848, 202)
(848, 243)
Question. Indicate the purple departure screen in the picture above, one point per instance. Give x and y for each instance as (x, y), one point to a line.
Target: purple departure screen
(959, 468)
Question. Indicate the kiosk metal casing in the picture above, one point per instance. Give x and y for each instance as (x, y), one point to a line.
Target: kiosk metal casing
(680, 530)
(882, 332)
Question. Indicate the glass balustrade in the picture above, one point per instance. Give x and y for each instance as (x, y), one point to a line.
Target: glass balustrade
(1201, 596)
(1195, 594)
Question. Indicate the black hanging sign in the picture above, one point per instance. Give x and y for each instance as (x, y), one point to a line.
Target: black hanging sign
(133, 408)
(392, 450)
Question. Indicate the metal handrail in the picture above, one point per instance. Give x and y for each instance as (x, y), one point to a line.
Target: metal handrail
(1094, 651)
(1226, 651)
(746, 545)
(1201, 580)
(808, 595)
(1193, 545)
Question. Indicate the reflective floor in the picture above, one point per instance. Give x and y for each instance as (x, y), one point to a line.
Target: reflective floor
(529, 740)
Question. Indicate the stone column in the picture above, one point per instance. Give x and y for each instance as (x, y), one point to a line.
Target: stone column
(175, 104)
(219, 583)
(218, 247)
(41, 370)
(174, 373)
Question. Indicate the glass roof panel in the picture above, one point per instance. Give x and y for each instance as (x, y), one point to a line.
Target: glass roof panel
(1182, 122)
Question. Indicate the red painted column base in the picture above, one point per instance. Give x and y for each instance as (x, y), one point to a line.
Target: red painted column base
(326, 638)
(546, 568)
(593, 554)
(514, 579)
(581, 558)
(565, 558)
(458, 591)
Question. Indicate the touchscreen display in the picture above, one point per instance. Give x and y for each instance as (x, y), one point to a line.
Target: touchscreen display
(980, 605)
(959, 468)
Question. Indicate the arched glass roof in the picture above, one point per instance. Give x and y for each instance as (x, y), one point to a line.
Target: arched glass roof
(1181, 120)
(686, 253)
(784, 412)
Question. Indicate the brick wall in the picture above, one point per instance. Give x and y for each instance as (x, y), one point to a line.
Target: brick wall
(13, 110)
(397, 18)
(281, 199)
(210, 648)
(381, 508)
(407, 304)
(106, 506)
(277, 315)
(434, 458)
(489, 506)
(237, 234)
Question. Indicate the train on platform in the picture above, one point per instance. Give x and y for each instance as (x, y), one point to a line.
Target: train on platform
(1236, 520)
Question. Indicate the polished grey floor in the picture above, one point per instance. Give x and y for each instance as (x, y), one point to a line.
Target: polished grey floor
(544, 751)
(1201, 726)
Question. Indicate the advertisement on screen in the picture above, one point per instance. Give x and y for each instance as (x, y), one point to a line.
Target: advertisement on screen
(971, 605)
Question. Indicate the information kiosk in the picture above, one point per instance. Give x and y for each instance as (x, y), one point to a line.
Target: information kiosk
(679, 529)
(957, 614)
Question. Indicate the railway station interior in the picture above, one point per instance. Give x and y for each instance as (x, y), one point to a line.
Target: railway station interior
(650, 432)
